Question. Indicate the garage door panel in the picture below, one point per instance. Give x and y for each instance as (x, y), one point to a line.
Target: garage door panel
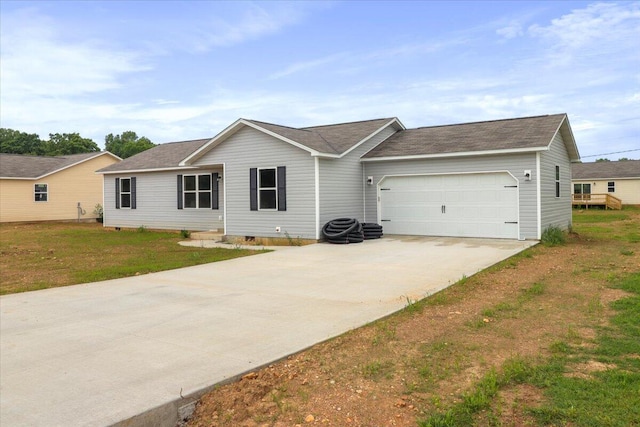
(465, 205)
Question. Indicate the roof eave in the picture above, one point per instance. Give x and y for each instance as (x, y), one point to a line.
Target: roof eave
(126, 171)
(232, 129)
(459, 154)
(569, 140)
(377, 131)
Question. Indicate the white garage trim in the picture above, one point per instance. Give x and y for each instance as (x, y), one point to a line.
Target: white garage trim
(514, 205)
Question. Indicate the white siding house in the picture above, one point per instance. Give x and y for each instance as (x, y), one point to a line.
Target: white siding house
(255, 179)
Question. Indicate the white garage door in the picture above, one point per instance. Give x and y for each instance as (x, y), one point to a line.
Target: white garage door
(464, 205)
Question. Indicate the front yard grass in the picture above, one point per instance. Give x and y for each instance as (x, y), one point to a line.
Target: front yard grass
(47, 255)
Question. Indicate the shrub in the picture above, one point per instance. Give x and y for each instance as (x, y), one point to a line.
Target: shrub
(185, 234)
(553, 236)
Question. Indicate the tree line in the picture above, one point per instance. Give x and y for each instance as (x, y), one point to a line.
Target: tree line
(122, 145)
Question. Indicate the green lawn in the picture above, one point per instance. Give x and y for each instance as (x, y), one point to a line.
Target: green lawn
(45, 255)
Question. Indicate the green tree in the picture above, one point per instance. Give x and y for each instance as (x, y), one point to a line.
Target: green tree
(603, 160)
(127, 144)
(68, 143)
(16, 142)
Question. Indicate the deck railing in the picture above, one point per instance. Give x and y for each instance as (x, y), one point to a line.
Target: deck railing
(606, 200)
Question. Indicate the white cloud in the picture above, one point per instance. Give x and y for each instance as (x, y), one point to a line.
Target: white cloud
(512, 30)
(308, 65)
(599, 25)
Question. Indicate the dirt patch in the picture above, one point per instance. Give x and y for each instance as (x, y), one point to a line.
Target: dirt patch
(585, 369)
(401, 369)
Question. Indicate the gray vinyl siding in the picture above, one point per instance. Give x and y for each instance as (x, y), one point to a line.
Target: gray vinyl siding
(156, 204)
(516, 164)
(555, 211)
(342, 182)
(248, 149)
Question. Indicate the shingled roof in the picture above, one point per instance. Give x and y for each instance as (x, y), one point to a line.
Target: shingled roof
(508, 134)
(328, 139)
(162, 156)
(606, 170)
(19, 166)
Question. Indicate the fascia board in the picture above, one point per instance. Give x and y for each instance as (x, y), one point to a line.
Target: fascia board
(233, 128)
(365, 139)
(228, 131)
(461, 154)
(569, 142)
(120, 172)
(606, 179)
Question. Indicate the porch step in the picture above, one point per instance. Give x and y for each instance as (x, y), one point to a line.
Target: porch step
(206, 235)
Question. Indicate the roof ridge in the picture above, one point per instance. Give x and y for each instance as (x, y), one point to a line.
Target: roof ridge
(489, 121)
(275, 124)
(350, 123)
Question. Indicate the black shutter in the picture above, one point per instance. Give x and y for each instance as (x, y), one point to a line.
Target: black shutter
(282, 188)
(179, 191)
(214, 191)
(117, 193)
(133, 192)
(253, 189)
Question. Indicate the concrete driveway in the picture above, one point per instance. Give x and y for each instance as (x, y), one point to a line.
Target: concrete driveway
(132, 351)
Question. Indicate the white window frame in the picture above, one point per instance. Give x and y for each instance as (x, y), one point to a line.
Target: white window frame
(122, 192)
(557, 182)
(611, 186)
(197, 191)
(274, 189)
(36, 193)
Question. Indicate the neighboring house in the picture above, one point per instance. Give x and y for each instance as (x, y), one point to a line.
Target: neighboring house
(504, 178)
(38, 188)
(620, 179)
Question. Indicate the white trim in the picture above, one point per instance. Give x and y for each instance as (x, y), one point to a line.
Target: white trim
(120, 192)
(224, 197)
(538, 197)
(392, 121)
(197, 191)
(46, 192)
(174, 168)
(602, 179)
(316, 162)
(460, 154)
(379, 203)
(274, 188)
(233, 128)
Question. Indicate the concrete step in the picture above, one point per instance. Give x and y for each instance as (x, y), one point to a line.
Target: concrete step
(206, 235)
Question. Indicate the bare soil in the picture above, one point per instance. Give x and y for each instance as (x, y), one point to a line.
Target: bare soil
(399, 370)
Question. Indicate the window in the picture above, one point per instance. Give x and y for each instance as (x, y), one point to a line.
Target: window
(126, 193)
(197, 191)
(267, 189)
(557, 181)
(41, 192)
(611, 187)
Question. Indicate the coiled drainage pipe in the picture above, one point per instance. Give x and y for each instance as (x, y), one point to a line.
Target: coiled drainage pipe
(349, 230)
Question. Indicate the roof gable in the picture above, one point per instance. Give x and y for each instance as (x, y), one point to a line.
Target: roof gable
(17, 166)
(509, 135)
(606, 170)
(327, 141)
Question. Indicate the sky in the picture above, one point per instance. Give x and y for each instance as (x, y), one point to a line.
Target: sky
(174, 71)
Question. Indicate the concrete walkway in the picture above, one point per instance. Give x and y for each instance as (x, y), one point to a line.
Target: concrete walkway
(132, 351)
